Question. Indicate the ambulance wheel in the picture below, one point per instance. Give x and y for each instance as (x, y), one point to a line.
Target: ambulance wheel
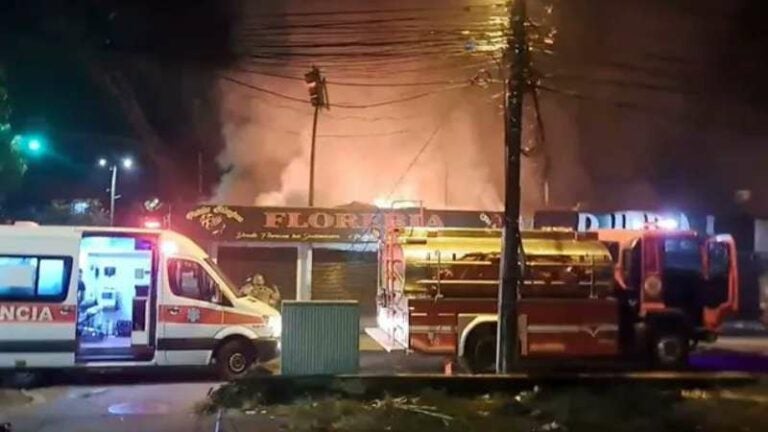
(234, 359)
(670, 351)
(480, 350)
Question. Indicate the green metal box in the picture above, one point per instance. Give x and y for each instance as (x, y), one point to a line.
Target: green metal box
(320, 337)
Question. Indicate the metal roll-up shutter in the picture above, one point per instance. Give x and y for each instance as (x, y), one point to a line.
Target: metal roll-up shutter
(276, 264)
(345, 275)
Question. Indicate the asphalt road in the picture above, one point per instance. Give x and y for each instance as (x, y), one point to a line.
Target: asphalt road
(160, 401)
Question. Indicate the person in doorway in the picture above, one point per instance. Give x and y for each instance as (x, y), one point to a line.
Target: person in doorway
(256, 286)
(83, 303)
(87, 307)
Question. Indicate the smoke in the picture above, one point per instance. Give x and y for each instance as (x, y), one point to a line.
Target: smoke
(428, 151)
(444, 150)
(610, 140)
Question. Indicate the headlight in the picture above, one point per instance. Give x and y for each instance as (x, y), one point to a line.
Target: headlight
(652, 288)
(275, 323)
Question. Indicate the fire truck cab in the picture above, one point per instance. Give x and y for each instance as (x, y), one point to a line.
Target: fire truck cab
(674, 279)
(587, 296)
(122, 297)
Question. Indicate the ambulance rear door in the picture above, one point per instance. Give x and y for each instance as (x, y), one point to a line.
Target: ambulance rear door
(38, 298)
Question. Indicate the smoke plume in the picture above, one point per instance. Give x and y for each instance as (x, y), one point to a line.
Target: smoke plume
(444, 149)
(625, 121)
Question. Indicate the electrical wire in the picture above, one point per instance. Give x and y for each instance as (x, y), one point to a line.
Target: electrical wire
(368, 12)
(632, 106)
(307, 113)
(415, 159)
(405, 173)
(345, 105)
(264, 90)
(636, 85)
(351, 84)
(399, 100)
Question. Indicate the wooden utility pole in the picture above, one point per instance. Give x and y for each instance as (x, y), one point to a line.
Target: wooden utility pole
(508, 351)
(312, 159)
(199, 174)
(318, 97)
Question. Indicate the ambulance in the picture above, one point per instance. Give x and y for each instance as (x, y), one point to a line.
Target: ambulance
(121, 297)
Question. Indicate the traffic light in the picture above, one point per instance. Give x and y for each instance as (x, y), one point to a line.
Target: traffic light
(316, 86)
(30, 145)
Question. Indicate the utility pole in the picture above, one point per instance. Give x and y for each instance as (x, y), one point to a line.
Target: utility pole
(126, 163)
(312, 159)
(508, 351)
(199, 173)
(112, 195)
(318, 97)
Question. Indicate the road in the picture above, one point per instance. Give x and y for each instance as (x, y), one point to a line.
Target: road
(123, 403)
(161, 402)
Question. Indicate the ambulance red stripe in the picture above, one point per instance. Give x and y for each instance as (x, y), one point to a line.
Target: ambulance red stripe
(37, 313)
(199, 315)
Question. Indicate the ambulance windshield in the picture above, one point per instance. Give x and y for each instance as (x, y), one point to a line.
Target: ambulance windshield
(224, 278)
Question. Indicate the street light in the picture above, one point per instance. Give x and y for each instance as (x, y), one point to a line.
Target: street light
(127, 163)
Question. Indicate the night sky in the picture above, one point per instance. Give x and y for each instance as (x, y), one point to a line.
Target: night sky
(650, 103)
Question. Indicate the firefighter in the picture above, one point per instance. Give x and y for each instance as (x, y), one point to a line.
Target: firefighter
(255, 286)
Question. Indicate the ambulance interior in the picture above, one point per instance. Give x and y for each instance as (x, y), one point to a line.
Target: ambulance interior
(114, 294)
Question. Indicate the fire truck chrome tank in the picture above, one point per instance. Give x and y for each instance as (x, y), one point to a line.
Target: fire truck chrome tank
(464, 263)
(434, 282)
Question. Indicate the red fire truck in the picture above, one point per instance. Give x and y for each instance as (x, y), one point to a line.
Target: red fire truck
(601, 295)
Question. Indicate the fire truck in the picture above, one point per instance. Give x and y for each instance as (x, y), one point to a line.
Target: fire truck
(636, 295)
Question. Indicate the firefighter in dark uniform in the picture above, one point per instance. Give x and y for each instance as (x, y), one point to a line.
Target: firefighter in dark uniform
(256, 287)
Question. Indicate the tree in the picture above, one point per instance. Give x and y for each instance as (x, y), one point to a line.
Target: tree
(12, 165)
(80, 212)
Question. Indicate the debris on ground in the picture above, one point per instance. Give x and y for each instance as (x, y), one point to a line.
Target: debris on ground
(621, 408)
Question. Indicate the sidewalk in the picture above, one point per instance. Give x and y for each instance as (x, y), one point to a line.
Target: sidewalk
(744, 328)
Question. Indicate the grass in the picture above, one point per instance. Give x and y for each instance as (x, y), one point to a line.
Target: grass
(620, 408)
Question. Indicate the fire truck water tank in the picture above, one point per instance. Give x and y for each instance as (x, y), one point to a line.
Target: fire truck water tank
(460, 263)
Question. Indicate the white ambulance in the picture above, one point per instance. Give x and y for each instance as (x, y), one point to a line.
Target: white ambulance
(121, 297)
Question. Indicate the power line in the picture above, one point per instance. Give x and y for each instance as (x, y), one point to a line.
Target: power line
(344, 105)
(351, 84)
(368, 135)
(635, 85)
(415, 159)
(465, 8)
(436, 65)
(632, 106)
(400, 100)
(334, 136)
(263, 90)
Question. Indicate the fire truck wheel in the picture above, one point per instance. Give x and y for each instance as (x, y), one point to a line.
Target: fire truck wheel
(670, 351)
(480, 351)
(234, 359)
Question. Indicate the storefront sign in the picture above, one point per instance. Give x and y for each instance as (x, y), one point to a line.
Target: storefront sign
(275, 224)
(582, 221)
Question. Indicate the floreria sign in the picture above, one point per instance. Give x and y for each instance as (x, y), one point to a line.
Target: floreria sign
(229, 223)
